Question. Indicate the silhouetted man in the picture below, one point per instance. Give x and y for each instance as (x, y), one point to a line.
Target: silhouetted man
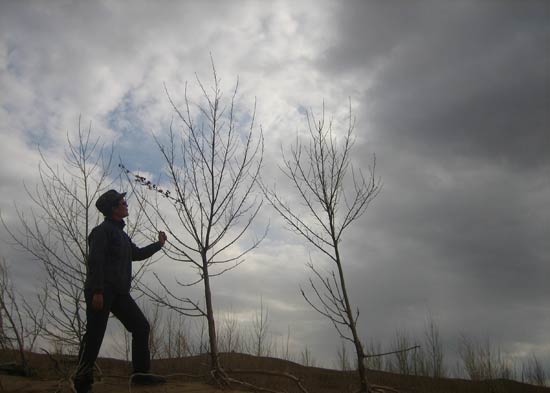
(107, 289)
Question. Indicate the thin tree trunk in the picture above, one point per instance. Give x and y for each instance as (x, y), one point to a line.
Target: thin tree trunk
(356, 340)
(214, 358)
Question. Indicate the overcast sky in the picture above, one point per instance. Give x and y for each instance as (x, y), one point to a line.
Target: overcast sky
(453, 97)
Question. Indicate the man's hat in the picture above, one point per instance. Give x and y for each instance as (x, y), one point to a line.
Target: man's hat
(108, 200)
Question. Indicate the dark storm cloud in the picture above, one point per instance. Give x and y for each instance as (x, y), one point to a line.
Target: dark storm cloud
(465, 242)
(455, 102)
(466, 78)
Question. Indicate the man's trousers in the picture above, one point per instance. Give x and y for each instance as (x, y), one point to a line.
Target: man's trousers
(127, 311)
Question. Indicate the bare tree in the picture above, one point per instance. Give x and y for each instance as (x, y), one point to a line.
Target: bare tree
(481, 360)
(426, 359)
(230, 338)
(19, 331)
(408, 357)
(212, 167)
(156, 335)
(404, 360)
(343, 358)
(318, 171)
(285, 347)
(307, 358)
(372, 361)
(534, 372)
(122, 345)
(433, 345)
(261, 342)
(176, 337)
(55, 232)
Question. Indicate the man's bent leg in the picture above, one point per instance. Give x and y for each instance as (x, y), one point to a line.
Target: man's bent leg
(96, 323)
(128, 312)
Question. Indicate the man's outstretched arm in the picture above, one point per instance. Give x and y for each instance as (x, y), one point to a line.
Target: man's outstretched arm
(139, 254)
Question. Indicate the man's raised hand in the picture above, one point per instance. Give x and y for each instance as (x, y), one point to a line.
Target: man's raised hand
(162, 238)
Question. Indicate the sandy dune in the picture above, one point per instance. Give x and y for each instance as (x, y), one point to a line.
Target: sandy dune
(15, 384)
(51, 375)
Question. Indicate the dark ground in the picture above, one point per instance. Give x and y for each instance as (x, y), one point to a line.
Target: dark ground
(51, 374)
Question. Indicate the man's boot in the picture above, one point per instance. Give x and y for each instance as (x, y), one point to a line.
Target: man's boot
(82, 388)
(147, 379)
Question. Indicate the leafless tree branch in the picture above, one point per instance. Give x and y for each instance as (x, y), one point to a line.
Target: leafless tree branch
(212, 167)
(318, 171)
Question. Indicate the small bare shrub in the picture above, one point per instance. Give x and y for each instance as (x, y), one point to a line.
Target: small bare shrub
(343, 358)
(403, 360)
(307, 357)
(373, 362)
(482, 361)
(261, 340)
(229, 338)
(533, 372)
(21, 324)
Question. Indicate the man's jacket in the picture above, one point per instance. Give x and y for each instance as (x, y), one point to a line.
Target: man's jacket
(111, 255)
